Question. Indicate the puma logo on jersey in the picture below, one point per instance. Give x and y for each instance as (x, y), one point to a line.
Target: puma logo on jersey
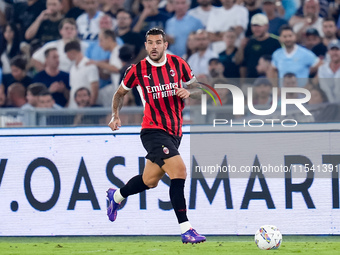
(148, 76)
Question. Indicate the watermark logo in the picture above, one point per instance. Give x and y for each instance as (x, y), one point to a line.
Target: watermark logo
(239, 103)
(204, 97)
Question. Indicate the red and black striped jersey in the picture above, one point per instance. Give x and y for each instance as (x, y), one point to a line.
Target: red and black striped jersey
(156, 85)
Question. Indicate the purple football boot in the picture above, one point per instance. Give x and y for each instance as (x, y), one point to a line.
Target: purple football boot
(191, 236)
(113, 206)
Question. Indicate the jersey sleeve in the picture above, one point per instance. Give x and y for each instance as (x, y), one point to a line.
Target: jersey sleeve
(187, 76)
(130, 78)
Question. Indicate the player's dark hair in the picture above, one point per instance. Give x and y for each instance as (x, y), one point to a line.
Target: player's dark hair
(19, 62)
(285, 28)
(64, 21)
(80, 89)
(109, 33)
(289, 75)
(36, 88)
(72, 45)
(155, 31)
(48, 51)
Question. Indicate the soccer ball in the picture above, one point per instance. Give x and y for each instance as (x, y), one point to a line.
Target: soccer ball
(268, 237)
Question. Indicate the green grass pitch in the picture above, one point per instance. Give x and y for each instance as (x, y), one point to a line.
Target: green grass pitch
(148, 245)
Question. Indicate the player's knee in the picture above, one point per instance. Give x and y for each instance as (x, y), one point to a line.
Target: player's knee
(151, 183)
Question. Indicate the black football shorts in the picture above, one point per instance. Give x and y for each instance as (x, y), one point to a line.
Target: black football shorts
(159, 145)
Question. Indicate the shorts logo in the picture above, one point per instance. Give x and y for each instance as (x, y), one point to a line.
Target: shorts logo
(165, 150)
(172, 73)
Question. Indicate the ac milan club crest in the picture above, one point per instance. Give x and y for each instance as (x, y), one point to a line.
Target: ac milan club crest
(165, 150)
(172, 73)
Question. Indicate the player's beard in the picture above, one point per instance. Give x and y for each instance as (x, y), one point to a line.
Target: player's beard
(158, 57)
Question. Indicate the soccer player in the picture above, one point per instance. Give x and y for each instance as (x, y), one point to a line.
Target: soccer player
(158, 77)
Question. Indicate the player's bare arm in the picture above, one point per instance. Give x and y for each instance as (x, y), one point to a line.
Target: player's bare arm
(117, 103)
(192, 91)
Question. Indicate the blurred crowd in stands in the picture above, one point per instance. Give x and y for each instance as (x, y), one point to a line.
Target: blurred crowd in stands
(73, 53)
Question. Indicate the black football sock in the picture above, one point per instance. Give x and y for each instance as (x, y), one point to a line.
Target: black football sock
(178, 200)
(133, 186)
